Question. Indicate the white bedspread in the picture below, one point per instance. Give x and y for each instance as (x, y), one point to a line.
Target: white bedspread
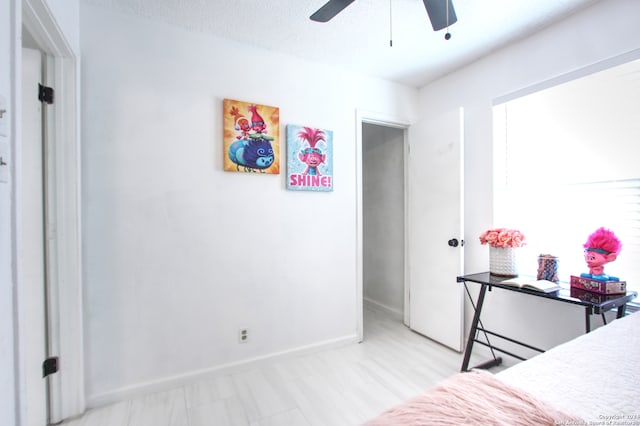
(595, 376)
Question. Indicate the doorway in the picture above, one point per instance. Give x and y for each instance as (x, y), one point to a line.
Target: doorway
(433, 188)
(384, 136)
(383, 193)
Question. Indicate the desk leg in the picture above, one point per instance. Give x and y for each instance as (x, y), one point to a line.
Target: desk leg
(587, 318)
(474, 327)
(621, 311)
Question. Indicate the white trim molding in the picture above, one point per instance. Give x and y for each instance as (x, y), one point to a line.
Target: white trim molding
(64, 210)
(164, 384)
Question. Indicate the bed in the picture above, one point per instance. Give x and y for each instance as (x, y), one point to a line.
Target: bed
(593, 379)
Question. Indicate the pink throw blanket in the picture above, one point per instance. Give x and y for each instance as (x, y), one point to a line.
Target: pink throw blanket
(474, 398)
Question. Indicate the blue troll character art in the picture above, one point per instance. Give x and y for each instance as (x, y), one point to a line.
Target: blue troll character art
(253, 151)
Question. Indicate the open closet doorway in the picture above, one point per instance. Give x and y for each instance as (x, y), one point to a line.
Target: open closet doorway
(383, 155)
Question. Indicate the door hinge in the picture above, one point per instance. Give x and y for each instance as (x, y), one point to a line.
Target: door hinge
(50, 366)
(45, 94)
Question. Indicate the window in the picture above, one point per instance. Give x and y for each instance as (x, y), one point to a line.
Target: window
(566, 162)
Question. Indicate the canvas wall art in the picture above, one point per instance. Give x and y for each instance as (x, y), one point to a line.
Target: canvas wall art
(309, 159)
(251, 137)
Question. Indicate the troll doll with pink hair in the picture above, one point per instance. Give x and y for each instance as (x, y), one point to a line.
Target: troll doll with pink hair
(601, 248)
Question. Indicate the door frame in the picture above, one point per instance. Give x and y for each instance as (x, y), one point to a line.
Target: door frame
(63, 168)
(30, 232)
(386, 120)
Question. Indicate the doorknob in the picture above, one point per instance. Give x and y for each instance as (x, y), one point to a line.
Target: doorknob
(453, 242)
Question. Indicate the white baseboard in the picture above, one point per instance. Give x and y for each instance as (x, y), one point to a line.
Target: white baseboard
(168, 383)
(393, 312)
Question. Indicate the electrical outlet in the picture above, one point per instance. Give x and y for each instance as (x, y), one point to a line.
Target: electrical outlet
(243, 335)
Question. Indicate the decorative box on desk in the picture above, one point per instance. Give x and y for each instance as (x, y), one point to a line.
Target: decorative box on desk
(598, 286)
(591, 297)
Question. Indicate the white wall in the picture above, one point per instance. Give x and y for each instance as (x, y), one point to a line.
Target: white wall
(383, 206)
(179, 254)
(603, 31)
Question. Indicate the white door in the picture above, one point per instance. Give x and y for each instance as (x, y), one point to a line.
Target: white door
(435, 218)
(31, 249)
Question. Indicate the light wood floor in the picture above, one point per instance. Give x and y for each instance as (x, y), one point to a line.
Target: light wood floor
(344, 386)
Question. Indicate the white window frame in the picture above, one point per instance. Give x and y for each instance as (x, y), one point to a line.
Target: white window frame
(556, 210)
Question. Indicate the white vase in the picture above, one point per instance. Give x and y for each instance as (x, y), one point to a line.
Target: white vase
(503, 262)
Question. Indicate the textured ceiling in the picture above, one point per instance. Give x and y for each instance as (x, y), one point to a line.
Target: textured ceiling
(358, 38)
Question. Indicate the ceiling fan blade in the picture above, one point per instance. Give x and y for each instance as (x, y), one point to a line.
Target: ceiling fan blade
(437, 10)
(330, 9)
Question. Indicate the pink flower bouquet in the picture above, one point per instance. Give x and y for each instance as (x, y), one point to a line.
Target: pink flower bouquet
(503, 237)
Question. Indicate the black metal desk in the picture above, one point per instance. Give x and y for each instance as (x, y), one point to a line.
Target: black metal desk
(593, 304)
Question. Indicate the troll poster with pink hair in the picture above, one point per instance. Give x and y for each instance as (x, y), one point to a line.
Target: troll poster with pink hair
(309, 159)
(251, 137)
